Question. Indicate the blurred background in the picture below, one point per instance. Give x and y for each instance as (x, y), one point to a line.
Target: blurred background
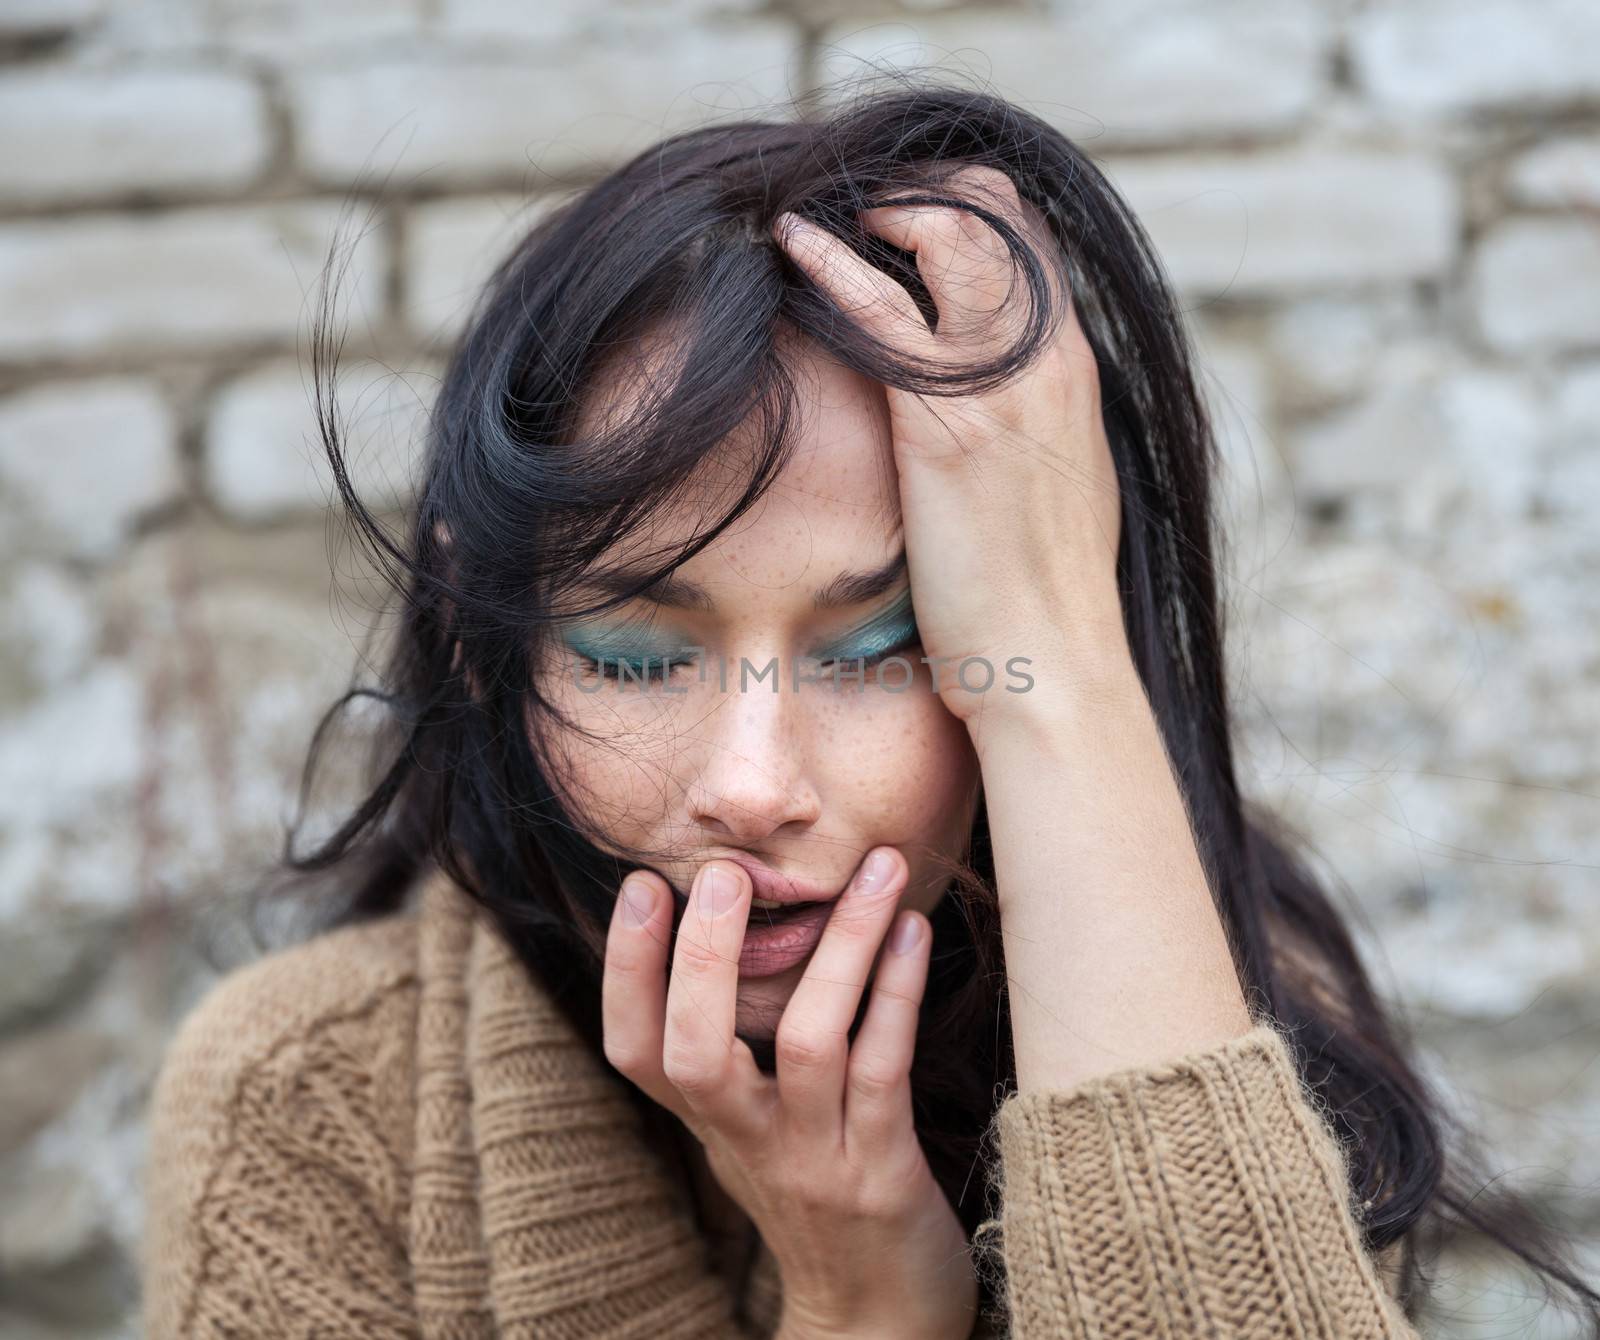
(1385, 223)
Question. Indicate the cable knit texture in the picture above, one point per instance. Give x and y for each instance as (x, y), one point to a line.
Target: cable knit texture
(392, 1131)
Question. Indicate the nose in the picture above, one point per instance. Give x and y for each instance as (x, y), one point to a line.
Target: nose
(750, 771)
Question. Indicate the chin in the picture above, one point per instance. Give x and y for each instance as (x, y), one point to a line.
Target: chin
(762, 1001)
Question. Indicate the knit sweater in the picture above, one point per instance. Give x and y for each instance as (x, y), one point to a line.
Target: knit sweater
(391, 1130)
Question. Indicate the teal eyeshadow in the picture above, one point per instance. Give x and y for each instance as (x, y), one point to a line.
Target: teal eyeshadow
(615, 645)
(891, 628)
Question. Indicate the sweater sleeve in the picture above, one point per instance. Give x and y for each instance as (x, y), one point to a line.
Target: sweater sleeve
(1203, 1197)
(275, 1193)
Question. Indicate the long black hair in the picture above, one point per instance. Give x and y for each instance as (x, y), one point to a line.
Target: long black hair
(513, 505)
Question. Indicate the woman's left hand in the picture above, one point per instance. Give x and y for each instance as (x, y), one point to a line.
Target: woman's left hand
(1009, 498)
(1011, 510)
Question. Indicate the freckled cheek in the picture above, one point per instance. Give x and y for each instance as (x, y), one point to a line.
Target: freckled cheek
(616, 791)
(902, 769)
(897, 758)
(620, 779)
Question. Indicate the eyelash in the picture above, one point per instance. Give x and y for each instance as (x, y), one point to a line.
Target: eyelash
(655, 670)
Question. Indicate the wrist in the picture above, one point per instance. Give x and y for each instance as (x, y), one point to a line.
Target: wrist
(797, 1323)
(1084, 650)
(796, 1331)
(1075, 694)
(791, 1329)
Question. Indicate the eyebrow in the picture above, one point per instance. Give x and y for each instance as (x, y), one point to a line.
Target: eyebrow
(675, 592)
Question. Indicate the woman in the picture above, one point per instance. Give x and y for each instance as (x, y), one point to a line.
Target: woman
(805, 891)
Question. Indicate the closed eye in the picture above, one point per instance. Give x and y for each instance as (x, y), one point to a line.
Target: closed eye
(874, 658)
(640, 670)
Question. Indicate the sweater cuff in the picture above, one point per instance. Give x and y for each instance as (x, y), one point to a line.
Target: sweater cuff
(1202, 1196)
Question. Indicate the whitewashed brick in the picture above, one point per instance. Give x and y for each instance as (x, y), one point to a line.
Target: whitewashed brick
(461, 119)
(510, 20)
(27, 17)
(144, 28)
(1578, 404)
(1564, 173)
(1444, 56)
(290, 30)
(39, 969)
(1570, 468)
(1569, 484)
(80, 462)
(264, 456)
(517, 21)
(181, 279)
(90, 732)
(1234, 379)
(77, 134)
(450, 248)
(1343, 662)
(48, 623)
(1462, 960)
(1535, 284)
(218, 32)
(1117, 73)
(281, 644)
(1251, 492)
(1421, 450)
(1532, 710)
(1326, 346)
(1271, 223)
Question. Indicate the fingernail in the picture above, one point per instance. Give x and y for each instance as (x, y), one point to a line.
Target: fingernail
(718, 890)
(791, 228)
(875, 873)
(638, 900)
(906, 935)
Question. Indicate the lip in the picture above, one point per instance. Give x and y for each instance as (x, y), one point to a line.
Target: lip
(768, 950)
(767, 883)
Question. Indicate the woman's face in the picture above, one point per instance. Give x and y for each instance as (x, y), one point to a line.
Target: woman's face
(807, 778)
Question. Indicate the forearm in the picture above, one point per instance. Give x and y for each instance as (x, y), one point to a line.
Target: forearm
(1115, 955)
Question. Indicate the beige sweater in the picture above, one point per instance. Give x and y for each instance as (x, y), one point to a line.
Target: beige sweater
(391, 1131)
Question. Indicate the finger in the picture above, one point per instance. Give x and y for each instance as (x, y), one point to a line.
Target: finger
(633, 987)
(812, 1046)
(863, 290)
(701, 1057)
(992, 190)
(877, 1094)
(964, 262)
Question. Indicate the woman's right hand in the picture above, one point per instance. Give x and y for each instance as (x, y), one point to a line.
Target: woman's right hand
(824, 1157)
